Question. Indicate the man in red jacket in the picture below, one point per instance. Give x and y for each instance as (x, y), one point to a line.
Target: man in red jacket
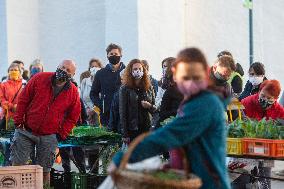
(264, 104)
(48, 108)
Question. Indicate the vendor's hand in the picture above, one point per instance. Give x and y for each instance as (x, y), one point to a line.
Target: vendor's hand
(111, 168)
(126, 140)
(146, 104)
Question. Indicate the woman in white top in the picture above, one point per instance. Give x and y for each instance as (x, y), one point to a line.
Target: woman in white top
(85, 89)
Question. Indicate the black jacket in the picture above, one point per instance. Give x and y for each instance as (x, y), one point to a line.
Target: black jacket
(105, 84)
(250, 90)
(133, 117)
(170, 103)
(114, 123)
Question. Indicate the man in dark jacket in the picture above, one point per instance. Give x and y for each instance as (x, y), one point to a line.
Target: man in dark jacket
(114, 120)
(107, 82)
(48, 108)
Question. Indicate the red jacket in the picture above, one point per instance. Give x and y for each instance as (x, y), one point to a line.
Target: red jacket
(9, 93)
(45, 114)
(254, 110)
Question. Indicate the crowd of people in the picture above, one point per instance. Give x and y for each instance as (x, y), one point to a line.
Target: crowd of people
(126, 99)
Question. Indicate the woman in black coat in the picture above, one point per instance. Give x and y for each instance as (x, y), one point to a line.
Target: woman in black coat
(136, 101)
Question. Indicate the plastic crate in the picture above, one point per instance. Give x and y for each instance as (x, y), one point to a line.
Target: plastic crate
(60, 180)
(83, 181)
(21, 177)
(234, 146)
(258, 147)
(278, 149)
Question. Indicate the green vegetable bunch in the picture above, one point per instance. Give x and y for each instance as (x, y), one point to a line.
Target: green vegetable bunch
(266, 129)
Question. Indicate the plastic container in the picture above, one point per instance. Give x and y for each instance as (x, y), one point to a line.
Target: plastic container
(60, 180)
(21, 177)
(278, 149)
(258, 147)
(234, 146)
(83, 181)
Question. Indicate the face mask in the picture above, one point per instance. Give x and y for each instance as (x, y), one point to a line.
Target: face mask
(14, 75)
(114, 59)
(62, 75)
(137, 74)
(190, 87)
(219, 77)
(94, 70)
(256, 80)
(264, 103)
(35, 71)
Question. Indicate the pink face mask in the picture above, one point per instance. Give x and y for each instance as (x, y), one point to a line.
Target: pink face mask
(189, 88)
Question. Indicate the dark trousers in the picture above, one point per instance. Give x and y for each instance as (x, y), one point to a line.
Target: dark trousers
(79, 157)
(105, 118)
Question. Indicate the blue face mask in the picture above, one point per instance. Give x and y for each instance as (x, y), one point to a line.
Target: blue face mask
(35, 71)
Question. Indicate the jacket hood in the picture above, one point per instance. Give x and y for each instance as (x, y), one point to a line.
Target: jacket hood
(109, 67)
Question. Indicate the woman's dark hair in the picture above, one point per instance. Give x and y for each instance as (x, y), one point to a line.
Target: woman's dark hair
(129, 80)
(258, 68)
(168, 80)
(191, 55)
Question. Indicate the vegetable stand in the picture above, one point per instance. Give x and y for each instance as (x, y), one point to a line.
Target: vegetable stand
(91, 138)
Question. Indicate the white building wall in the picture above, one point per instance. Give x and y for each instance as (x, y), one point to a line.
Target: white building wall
(162, 31)
(22, 30)
(3, 38)
(147, 29)
(71, 29)
(122, 27)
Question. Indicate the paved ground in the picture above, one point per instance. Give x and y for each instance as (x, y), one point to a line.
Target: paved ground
(279, 165)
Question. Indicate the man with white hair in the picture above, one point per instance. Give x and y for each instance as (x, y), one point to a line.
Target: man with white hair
(48, 108)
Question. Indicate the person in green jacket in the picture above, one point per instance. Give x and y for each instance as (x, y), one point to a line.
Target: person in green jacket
(199, 127)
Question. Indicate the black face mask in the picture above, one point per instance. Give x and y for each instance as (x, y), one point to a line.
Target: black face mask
(264, 103)
(114, 59)
(220, 78)
(62, 75)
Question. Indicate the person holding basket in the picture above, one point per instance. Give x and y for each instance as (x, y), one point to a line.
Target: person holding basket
(199, 127)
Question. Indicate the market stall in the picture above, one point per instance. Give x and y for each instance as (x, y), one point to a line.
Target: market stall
(253, 146)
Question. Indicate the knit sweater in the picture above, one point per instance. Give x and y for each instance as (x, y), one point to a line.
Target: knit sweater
(201, 131)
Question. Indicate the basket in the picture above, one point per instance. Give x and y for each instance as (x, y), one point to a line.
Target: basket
(126, 179)
(21, 177)
(234, 146)
(258, 147)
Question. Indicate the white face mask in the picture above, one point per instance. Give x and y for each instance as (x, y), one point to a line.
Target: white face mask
(256, 80)
(94, 70)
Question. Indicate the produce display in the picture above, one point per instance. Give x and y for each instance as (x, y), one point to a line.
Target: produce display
(265, 129)
(89, 135)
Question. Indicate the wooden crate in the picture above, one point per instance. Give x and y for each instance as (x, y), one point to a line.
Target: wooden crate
(21, 177)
